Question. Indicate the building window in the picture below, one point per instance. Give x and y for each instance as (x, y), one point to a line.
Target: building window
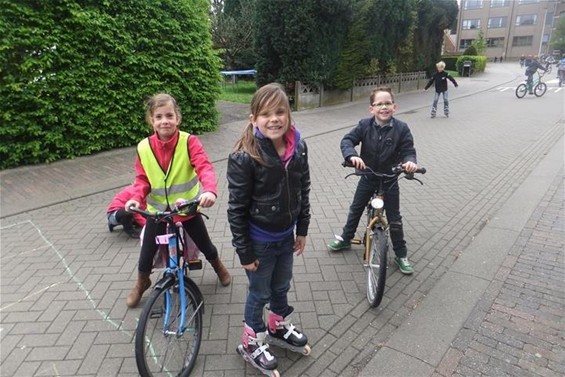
(473, 4)
(496, 22)
(499, 3)
(495, 42)
(526, 19)
(549, 19)
(528, 1)
(523, 41)
(464, 43)
(471, 24)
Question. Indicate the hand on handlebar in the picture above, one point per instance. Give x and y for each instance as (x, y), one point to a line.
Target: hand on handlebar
(357, 162)
(409, 167)
(207, 199)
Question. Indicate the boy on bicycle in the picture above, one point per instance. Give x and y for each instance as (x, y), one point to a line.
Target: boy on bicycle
(531, 69)
(385, 142)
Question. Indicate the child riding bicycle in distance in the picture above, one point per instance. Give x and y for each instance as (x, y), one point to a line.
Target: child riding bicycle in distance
(385, 143)
(531, 69)
(170, 165)
(269, 185)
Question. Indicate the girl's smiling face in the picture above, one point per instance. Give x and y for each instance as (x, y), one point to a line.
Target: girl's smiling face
(273, 121)
(165, 121)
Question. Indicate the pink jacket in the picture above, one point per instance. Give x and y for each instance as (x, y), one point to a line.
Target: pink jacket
(119, 201)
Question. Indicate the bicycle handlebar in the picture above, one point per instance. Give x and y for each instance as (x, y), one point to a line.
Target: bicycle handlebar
(181, 207)
(397, 170)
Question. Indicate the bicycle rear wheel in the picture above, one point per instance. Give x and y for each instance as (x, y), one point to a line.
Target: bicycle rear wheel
(521, 90)
(540, 89)
(164, 353)
(376, 267)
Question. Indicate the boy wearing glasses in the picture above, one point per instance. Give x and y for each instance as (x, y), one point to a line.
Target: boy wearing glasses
(385, 142)
(440, 78)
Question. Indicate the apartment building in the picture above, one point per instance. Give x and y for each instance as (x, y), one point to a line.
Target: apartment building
(511, 28)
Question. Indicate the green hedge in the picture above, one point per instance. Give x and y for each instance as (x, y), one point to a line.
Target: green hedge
(479, 62)
(74, 74)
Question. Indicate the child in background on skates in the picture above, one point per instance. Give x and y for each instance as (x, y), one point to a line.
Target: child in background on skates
(171, 165)
(269, 184)
(440, 78)
(117, 215)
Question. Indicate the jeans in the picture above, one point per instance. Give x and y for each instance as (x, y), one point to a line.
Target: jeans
(270, 283)
(445, 102)
(364, 191)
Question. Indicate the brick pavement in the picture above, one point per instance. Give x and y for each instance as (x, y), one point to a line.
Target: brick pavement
(64, 313)
(517, 327)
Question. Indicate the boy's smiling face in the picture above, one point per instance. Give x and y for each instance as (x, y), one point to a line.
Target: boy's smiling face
(383, 107)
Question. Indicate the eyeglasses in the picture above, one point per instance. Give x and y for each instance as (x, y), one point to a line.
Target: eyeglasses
(383, 104)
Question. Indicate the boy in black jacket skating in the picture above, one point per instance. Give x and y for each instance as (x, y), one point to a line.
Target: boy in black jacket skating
(440, 78)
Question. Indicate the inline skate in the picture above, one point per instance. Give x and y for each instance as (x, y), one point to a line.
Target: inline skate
(282, 333)
(255, 350)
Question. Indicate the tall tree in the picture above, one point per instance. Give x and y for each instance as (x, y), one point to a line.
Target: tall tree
(299, 39)
(434, 16)
(232, 31)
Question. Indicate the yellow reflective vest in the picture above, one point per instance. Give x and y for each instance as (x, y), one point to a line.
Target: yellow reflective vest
(179, 181)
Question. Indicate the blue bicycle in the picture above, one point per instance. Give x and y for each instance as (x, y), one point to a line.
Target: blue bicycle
(169, 332)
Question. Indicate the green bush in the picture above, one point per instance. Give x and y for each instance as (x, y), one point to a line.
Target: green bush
(478, 63)
(74, 74)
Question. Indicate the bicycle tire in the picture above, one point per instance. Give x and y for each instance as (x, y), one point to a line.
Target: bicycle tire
(521, 90)
(157, 354)
(377, 267)
(540, 89)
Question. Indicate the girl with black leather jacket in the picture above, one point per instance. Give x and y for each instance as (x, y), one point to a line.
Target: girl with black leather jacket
(269, 214)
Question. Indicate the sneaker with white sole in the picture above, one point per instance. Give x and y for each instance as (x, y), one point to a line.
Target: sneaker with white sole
(404, 266)
(338, 245)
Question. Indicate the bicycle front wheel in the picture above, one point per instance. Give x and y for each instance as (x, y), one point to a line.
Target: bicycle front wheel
(161, 351)
(376, 267)
(540, 89)
(521, 90)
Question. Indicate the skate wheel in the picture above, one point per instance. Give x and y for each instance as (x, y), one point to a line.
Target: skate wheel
(306, 351)
(275, 373)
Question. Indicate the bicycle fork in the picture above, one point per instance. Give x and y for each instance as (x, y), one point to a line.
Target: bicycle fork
(182, 323)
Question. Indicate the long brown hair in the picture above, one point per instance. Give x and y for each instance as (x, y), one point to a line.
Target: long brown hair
(267, 97)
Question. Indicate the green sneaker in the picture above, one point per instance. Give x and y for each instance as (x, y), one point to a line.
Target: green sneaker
(338, 245)
(404, 266)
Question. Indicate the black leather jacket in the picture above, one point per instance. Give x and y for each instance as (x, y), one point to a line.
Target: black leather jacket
(272, 197)
(381, 147)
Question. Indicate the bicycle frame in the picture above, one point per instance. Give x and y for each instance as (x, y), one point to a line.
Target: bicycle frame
(174, 244)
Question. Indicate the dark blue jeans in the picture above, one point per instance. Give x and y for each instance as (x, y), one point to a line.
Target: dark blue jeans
(364, 191)
(270, 283)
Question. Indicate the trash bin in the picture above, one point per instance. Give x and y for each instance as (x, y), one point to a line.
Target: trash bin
(467, 65)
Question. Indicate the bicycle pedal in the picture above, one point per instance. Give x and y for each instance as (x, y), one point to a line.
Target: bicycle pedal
(194, 264)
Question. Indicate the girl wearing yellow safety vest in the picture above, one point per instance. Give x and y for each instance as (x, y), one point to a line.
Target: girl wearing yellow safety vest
(171, 164)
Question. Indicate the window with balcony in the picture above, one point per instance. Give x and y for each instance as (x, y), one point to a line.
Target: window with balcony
(526, 40)
(464, 43)
(471, 24)
(526, 19)
(473, 4)
(495, 42)
(499, 3)
(496, 22)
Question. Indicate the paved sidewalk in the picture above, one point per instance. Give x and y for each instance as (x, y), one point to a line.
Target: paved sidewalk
(485, 233)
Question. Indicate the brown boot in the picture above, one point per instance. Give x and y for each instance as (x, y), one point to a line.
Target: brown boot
(221, 271)
(141, 285)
